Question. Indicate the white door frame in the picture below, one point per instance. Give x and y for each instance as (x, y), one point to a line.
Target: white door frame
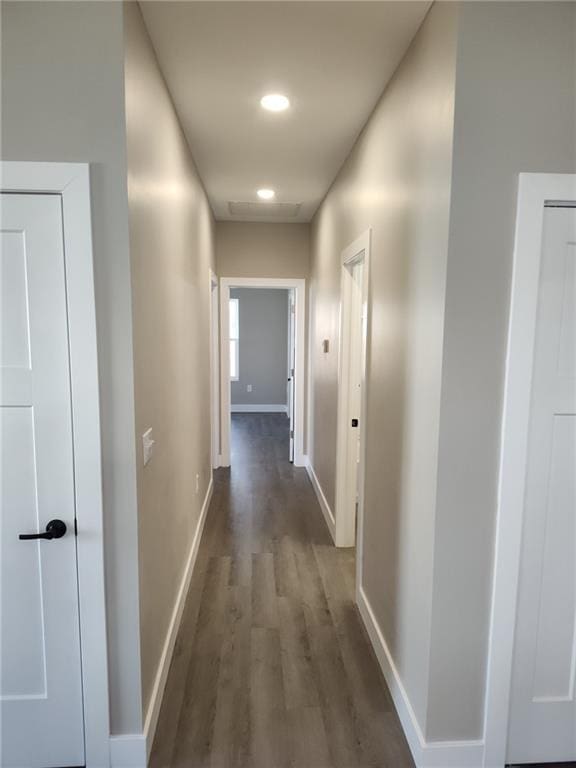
(534, 191)
(345, 516)
(299, 285)
(291, 366)
(71, 181)
(214, 372)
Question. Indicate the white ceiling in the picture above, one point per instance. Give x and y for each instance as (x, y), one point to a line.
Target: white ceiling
(332, 59)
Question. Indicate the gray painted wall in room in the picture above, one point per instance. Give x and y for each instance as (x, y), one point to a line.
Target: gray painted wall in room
(263, 346)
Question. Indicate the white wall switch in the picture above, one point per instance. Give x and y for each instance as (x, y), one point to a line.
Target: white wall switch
(248, 387)
(147, 446)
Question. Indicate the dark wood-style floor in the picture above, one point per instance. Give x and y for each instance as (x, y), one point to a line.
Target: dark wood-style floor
(272, 668)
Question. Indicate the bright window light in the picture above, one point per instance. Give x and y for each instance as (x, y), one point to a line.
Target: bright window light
(266, 194)
(234, 340)
(275, 102)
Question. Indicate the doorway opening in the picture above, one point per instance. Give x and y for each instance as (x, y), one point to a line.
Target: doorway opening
(350, 453)
(262, 355)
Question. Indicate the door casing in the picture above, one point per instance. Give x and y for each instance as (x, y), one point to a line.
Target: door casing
(299, 286)
(291, 366)
(347, 531)
(535, 191)
(71, 181)
(214, 371)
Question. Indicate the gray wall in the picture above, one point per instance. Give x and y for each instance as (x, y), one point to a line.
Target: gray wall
(246, 249)
(63, 100)
(515, 106)
(171, 248)
(397, 181)
(263, 346)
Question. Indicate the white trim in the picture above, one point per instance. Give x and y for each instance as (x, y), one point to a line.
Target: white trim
(255, 408)
(310, 382)
(299, 286)
(151, 719)
(533, 191)
(324, 506)
(237, 339)
(426, 754)
(356, 252)
(128, 751)
(224, 375)
(214, 372)
(72, 182)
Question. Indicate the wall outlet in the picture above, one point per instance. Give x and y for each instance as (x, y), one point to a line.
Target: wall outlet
(147, 446)
(248, 387)
(197, 483)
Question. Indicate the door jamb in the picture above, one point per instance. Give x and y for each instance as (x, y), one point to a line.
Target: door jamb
(214, 371)
(345, 519)
(299, 285)
(72, 182)
(534, 191)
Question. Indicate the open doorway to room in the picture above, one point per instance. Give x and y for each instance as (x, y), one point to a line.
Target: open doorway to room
(261, 347)
(262, 357)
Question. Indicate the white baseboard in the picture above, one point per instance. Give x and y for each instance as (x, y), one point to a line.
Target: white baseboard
(128, 751)
(300, 459)
(324, 506)
(164, 664)
(255, 408)
(426, 754)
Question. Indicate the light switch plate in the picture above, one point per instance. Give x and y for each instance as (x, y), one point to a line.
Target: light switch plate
(147, 446)
(248, 387)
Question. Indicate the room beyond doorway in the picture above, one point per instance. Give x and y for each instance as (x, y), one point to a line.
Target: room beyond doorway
(293, 372)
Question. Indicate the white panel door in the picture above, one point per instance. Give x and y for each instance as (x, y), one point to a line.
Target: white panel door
(355, 425)
(41, 723)
(543, 703)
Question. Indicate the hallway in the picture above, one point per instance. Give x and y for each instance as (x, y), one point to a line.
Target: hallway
(272, 666)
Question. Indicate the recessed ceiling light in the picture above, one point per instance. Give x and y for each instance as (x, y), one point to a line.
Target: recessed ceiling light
(275, 102)
(266, 194)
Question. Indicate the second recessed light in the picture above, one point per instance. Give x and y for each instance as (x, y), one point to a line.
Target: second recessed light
(266, 194)
(275, 102)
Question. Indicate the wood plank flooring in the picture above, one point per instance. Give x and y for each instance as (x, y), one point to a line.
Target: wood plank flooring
(272, 667)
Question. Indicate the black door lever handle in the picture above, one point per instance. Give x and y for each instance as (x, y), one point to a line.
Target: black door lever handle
(54, 530)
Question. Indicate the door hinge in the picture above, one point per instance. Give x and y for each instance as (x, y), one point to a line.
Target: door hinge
(75, 527)
(292, 433)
